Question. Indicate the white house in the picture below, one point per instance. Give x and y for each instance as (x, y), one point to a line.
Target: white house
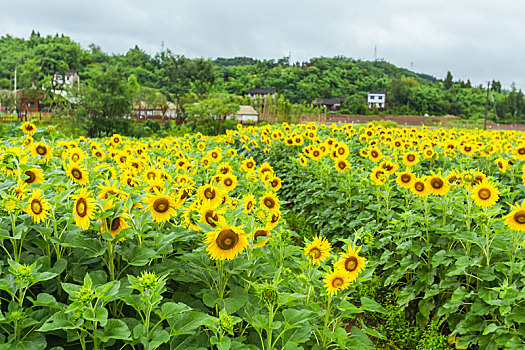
(247, 114)
(69, 78)
(376, 99)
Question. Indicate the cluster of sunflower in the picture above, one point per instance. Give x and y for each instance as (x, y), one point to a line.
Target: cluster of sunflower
(344, 272)
(187, 182)
(385, 150)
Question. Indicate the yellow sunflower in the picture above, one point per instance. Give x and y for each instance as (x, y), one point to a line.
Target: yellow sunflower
(248, 203)
(160, 205)
(114, 225)
(485, 194)
(226, 242)
(341, 165)
(335, 281)
(437, 185)
(28, 128)
(210, 193)
(502, 164)
(378, 176)
(259, 242)
(270, 201)
(228, 182)
(410, 158)
(77, 173)
(37, 207)
(374, 154)
(211, 215)
(420, 187)
(39, 149)
(405, 178)
(35, 176)
(515, 220)
(318, 250)
(83, 208)
(351, 262)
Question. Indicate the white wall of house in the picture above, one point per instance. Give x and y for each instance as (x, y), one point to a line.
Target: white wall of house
(376, 100)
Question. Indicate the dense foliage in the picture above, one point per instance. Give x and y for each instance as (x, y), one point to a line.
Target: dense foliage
(183, 80)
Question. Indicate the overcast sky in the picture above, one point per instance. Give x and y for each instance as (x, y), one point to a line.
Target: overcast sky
(478, 40)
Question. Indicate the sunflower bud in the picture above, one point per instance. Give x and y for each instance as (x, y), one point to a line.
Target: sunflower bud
(269, 294)
(225, 322)
(10, 204)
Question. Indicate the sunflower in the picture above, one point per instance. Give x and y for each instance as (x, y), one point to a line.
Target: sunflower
(437, 185)
(76, 155)
(335, 281)
(515, 220)
(160, 205)
(28, 128)
(389, 167)
(157, 184)
(211, 215)
(248, 165)
(318, 250)
(228, 182)
(410, 158)
(485, 194)
(215, 154)
(519, 152)
(270, 201)
(276, 183)
(39, 149)
(342, 165)
(37, 207)
(303, 161)
(116, 140)
(405, 178)
(77, 174)
(378, 176)
(226, 242)
(114, 225)
(502, 164)
(260, 232)
(351, 262)
(35, 176)
(83, 209)
(248, 203)
(109, 189)
(375, 154)
(420, 187)
(20, 189)
(210, 193)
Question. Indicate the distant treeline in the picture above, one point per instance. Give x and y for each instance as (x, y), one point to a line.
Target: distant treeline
(177, 77)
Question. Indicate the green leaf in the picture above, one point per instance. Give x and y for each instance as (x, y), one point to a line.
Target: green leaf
(138, 255)
(188, 322)
(517, 314)
(100, 315)
(61, 320)
(491, 328)
(295, 318)
(237, 298)
(371, 305)
(170, 309)
(159, 337)
(114, 329)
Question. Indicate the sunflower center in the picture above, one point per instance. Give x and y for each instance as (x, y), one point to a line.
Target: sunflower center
(260, 233)
(228, 182)
(81, 207)
(315, 253)
(36, 206)
(484, 193)
(209, 193)
(32, 177)
(274, 218)
(249, 165)
(341, 150)
(116, 140)
(41, 150)
(411, 157)
(115, 224)
(405, 178)
(521, 151)
(436, 183)
(351, 264)
(316, 153)
(227, 239)
(467, 149)
(214, 155)
(75, 157)
(337, 282)
(341, 165)
(269, 202)
(249, 205)
(374, 154)
(161, 205)
(419, 186)
(519, 217)
(76, 173)
(211, 218)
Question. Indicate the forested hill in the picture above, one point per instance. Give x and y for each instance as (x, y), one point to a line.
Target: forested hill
(38, 58)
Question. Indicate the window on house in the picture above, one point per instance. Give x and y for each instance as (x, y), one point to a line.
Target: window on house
(380, 97)
(372, 97)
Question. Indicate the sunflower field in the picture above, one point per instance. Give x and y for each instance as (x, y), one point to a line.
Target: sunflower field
(270, 237)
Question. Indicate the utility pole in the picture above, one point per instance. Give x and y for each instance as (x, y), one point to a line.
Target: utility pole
(487, 104)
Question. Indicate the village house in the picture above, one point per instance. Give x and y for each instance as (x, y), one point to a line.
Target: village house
(246, 114)
(331, 104)
(376, 99)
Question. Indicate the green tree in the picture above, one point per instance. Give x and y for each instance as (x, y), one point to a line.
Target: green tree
(107, 98)
(448, 82)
